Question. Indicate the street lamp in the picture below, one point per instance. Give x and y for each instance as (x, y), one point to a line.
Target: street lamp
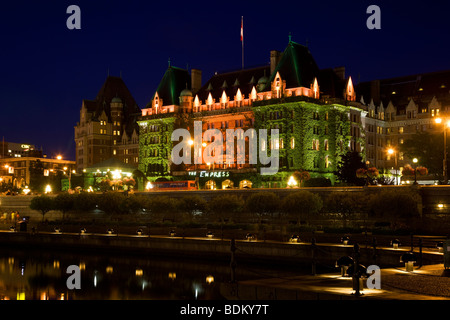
(415, 170)
(391, 151)
(444, 164)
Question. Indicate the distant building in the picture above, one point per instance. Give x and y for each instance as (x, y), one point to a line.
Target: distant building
(18, 170)
(17, 150)
(397, 109)
(107, 127)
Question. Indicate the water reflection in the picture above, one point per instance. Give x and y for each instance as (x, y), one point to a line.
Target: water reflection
(42, 276)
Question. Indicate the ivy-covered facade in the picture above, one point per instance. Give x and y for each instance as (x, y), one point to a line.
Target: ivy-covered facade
(314, 110)
(155, 146)
(312, 137)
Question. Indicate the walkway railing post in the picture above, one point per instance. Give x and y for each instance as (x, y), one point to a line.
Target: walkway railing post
(420, 252)
(374, 254)
(233, 260)
(313, 255)
(355, 270)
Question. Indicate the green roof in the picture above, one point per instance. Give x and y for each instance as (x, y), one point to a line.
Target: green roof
(297, 66)
(173, 82)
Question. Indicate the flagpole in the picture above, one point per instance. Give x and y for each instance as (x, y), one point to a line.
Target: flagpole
(242, 40)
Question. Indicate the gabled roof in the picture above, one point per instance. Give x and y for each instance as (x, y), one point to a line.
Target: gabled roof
(112, 87)
(400, 90)
(243, 79)
(172, 83)
(296, 66)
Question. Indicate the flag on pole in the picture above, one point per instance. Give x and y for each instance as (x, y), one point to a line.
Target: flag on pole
(242, 28)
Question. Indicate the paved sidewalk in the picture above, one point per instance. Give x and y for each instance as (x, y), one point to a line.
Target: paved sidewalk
(425, 283)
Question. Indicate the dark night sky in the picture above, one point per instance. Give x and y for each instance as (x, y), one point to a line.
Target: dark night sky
(47, 69)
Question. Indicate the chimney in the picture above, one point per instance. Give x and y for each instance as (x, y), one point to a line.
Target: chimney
(340, 72)
(275, 57)
(196, 80)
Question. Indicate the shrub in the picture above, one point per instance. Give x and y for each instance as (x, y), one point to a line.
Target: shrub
(317, 182)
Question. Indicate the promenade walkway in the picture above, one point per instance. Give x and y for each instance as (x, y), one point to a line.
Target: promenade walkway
(425, 283)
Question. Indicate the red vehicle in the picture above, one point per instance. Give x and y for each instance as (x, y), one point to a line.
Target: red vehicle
(173, 185)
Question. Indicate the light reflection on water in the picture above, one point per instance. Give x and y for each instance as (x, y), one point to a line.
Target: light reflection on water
(42, 276)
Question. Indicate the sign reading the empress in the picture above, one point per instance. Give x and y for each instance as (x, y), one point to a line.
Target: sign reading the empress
(230, 148)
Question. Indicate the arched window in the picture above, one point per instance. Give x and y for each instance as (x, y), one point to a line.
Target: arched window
(244, 184)
(227, 184)
(210, 185)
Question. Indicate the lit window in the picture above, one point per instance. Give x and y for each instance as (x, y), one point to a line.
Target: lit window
(292, 143)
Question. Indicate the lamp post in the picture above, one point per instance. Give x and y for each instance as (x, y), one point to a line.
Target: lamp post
(444, 164)
(415, 170)
(391, 151)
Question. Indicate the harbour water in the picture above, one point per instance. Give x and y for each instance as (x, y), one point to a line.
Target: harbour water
(33, 275)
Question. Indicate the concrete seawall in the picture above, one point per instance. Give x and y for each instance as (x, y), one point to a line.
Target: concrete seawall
(207, 249)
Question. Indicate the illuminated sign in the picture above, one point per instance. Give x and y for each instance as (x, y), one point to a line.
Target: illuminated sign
(25, 146)
(207, 174)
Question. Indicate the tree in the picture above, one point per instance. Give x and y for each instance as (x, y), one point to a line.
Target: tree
(345, 204)
(395, 205)
(347, 167)
(43, 204)
(301, 205)
(111, 202)
(163, 207)
(84, 202)
(301, 176)
(428, 148)
(37, 179)
(263, 203)
(131, 204)
(225, 207)
(192, 205)
(368, 174)
(64, 202)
